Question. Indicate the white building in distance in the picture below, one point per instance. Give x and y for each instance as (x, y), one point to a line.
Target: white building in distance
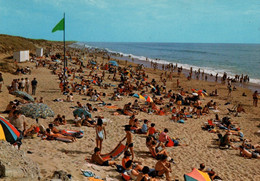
(21, 56)
(39, 52)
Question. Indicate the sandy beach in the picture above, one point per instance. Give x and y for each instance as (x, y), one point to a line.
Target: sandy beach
(70, 157)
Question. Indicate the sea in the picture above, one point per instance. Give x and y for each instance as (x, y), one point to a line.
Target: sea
(212, 58)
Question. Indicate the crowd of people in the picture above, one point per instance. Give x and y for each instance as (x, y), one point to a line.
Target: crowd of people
(179, 106)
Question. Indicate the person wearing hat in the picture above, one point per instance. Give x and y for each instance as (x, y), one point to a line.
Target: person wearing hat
(129, 140)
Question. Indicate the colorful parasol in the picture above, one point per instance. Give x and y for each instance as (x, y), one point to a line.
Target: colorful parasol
(139, 96)
(136, 95)
(8, 132)
(79, 111)
(149, 99)
(196, 175)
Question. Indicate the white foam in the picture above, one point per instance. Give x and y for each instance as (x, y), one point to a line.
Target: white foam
(207, 70)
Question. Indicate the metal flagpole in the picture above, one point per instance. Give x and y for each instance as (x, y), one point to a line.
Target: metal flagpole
(65, 63)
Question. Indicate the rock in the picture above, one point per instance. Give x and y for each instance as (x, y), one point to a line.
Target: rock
(14, 165)
(61, 175)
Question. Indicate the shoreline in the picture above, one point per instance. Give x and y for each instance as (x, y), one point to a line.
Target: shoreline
(211, 78)
(249, 85)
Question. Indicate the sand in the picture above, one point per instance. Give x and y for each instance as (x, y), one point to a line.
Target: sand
(70, 157)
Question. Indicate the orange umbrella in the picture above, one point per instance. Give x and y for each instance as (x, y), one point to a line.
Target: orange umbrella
(149, 99)
(196, 175)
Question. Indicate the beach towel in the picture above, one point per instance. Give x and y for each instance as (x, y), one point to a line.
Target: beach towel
(87, 173)
(111, 107)
(73, 133)
(66, 140)
(119, 149)
(170, 142)
(180, 121)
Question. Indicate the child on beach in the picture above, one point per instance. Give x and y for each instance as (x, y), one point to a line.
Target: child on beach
(100, 133)
(152, 131)
(129, 140)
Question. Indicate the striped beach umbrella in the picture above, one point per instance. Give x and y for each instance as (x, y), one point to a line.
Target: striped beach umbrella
(196, 175)
(7, 131)
(141, 97)
(136, 95)
(149, 99)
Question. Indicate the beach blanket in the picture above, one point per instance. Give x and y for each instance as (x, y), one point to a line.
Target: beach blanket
(119, 149)
(111, 107)
(73, 133)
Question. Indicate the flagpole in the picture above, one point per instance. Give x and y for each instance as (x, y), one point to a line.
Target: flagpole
(65, 63)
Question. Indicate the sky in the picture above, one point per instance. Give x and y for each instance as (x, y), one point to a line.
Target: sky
(187, 21)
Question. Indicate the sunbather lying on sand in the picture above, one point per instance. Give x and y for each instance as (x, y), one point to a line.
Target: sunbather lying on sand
(96, 158)
(247, 154)
(247, 145)
(58, 135)
(212, 174)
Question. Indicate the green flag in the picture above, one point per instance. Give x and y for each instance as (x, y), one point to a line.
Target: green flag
(59, 26)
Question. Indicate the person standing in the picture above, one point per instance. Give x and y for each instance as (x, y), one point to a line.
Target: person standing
(100, 133)
(1, 82)
(27, 84)
(22, 84)
(255, 98)
(129, 140)
(34, 85)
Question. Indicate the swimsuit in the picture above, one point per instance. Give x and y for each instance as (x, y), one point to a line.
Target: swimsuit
(176, 143)
(100, 135)
(105, 163)
(130, 145)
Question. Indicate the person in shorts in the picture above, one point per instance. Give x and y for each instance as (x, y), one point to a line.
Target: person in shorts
(97, 158)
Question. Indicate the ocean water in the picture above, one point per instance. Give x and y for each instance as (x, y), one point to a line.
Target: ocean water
(212, 58)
